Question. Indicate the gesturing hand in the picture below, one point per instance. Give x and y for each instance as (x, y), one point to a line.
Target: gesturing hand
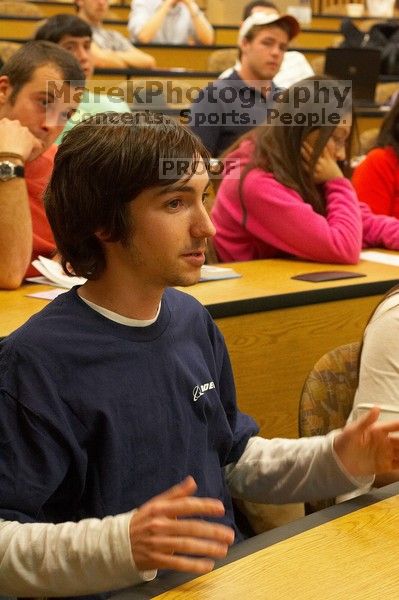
(326, 167)
(160, 538)
(366, 447)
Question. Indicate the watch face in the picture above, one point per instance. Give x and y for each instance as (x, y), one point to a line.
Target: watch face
(6, 171)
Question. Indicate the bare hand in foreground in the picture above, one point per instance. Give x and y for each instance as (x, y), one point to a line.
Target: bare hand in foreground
(161, 535)
(366, 447)
(17, 139)
(326, 167)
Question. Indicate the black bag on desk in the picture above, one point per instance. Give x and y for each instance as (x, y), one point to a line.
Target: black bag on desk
(382, 36)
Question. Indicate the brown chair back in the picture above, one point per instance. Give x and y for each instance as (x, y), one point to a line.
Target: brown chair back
(327, 398)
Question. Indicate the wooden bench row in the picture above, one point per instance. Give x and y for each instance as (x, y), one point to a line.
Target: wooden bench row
(121, 12)
(25, 27)
(186, 57)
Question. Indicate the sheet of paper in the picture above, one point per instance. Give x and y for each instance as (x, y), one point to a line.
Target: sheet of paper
(214, 272)
(380, 257)
(52, 273)
(49, 294)
(40, 279)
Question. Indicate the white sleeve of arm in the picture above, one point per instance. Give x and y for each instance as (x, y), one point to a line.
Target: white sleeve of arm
(81, 558)
(279, 471)
(379, 366)
(139, 15)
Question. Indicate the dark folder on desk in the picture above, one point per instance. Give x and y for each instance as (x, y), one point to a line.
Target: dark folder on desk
(361, 66)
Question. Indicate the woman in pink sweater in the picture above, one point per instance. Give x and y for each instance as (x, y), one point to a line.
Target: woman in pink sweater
(285, 195)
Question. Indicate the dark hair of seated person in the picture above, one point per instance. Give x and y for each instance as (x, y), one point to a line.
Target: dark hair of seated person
(58, 26)
(277, 148)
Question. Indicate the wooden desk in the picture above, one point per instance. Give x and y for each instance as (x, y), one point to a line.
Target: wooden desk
(309, 36)
(15, 29)
(276, 328)
(50, 8)
(117, 10)
(346, 552)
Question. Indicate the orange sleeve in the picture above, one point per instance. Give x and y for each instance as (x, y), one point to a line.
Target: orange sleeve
(375, 180)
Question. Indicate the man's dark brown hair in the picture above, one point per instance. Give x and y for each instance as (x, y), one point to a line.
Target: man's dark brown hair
(104, 163)
(58, 26)
(20, 68)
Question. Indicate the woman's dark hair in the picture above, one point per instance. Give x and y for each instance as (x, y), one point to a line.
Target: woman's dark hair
(389, 132)
(58, 26)
(278, 146)
(102, 164)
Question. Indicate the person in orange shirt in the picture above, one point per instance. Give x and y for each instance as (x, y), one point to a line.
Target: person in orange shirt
(31, 118)
(376, 179)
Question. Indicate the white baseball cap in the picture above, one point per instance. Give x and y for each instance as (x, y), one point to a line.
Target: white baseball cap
(261, 18)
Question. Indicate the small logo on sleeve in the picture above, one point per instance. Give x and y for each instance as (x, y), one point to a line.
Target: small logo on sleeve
(200, 390)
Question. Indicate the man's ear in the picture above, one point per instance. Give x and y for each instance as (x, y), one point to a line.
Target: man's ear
(5, 89)
(243, 44)
(102, 235)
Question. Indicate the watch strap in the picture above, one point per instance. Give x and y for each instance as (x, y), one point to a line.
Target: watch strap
(19, 171)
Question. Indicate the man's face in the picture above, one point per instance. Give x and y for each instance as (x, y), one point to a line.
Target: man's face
(37, 107)
(94, 10)
(262, 56)
(80, 47)
(170, 226)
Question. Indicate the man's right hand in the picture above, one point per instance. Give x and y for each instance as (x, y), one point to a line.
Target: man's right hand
(17, 139)
(162, 536)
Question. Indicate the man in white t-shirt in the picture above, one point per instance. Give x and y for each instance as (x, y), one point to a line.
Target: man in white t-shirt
(169, 22)
(110, 48)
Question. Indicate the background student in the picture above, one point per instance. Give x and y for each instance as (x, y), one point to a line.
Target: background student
(169, 22)
(294, 66)
(286, 195)
(229, 107)
(376, 179)
(110, 48)
(75, 36)
(31, 118)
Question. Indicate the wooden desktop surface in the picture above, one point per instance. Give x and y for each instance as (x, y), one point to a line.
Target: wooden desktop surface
(264, 285)
(275, 327)
(355, 556)
(346, 552)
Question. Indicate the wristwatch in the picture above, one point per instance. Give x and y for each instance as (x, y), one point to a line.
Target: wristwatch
(9, 170)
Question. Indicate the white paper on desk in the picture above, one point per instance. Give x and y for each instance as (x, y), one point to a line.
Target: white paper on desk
(213, 272)
(48, 295)
(54, 273)
(39, 279)
(380, 257)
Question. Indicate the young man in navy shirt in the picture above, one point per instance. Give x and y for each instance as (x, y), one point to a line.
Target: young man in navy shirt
(122, 388)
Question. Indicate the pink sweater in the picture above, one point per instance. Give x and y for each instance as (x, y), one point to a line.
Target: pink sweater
(280, 223)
